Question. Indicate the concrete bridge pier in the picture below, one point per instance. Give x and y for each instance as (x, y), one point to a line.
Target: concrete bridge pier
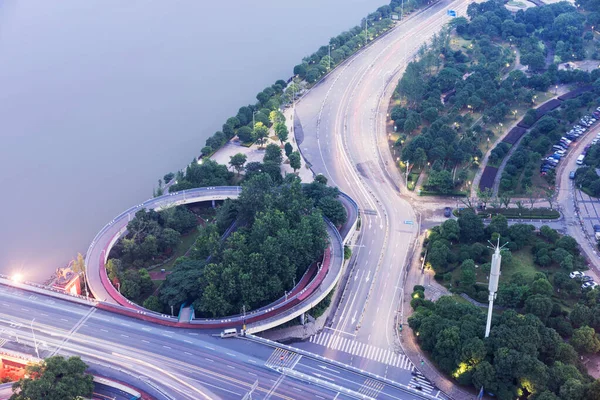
(302, 318)
(213, 204)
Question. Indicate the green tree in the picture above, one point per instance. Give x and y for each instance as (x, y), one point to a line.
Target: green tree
(467, 269)
(260, 133)
(572, 390)
(438, 256)
(282, 132)
(471, 226)
(295, 162)
(55, 378)
(585, 340)
(237, 161)
(538, 305)
(273, 154)
(288, 149)
(581, 315)
(244, 133)
(333, 210)
(152, 303)
(542, 286)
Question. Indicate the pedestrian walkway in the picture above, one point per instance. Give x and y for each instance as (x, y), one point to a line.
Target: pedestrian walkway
(371, 388)
(419, 382)
(281, 358)
(384, 356)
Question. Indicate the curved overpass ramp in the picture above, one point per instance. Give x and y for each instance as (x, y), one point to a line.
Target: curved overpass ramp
(283, 310)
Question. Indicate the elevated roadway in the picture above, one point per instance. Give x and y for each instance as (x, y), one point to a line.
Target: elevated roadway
(177, 363)
(340, 126)
(277, 313)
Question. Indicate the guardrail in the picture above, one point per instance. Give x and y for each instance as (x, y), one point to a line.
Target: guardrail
(292, 302)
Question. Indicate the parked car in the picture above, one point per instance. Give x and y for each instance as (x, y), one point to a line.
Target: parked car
(596, 228)
(586, 278)
(589, 285)
(575, 274)
(572, 175)
(447, 212)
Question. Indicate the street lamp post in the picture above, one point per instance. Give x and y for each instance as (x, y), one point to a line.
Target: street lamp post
(34, 340)
(407, 164)
(253, 123)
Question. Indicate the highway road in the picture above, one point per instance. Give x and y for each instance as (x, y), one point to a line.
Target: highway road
(340, 127)
(175, 363)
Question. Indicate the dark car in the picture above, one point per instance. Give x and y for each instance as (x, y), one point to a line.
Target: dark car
(596, 228)
(586, 278)
(572, 175)
(447, 212)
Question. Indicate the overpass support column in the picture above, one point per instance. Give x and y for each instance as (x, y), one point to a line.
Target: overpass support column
(213, 204)
(302, 318)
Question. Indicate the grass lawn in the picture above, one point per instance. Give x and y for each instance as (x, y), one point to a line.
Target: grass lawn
(522, 262)
(459, 43)
(186, 242)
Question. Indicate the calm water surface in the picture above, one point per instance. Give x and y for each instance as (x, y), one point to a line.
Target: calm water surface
(100, 98)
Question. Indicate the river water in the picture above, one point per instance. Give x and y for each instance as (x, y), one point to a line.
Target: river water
(100, 98)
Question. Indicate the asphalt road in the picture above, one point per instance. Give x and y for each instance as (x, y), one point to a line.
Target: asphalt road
(340, 125)
(174, 363)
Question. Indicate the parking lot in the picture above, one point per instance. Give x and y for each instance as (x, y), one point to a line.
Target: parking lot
(561, 148)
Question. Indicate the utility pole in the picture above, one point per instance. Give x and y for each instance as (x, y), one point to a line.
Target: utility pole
(407, 163)
(329, 57)
(366, 40)
(493, 285)
(253, 123)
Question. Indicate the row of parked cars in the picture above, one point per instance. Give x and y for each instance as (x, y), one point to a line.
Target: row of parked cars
(562, 147)
(587, 282)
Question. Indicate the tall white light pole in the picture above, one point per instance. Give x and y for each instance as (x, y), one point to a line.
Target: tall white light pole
(329, 57)
(34, 340)
(493, 285)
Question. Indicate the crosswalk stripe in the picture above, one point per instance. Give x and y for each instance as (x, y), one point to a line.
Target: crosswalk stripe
(347, 345)
(336, 341)
(343, 344)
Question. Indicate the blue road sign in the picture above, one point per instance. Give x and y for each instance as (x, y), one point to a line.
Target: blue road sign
(408, 222)
(451, 13)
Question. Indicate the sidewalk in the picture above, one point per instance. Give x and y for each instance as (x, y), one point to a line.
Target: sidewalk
(255, 153)
(408, 341)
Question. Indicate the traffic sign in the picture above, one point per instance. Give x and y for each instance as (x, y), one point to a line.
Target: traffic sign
(408, 222)
(451, 13)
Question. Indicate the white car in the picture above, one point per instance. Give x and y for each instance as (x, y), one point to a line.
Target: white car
(589, 285)
(576, 274)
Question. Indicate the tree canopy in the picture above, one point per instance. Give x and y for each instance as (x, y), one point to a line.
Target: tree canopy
(55, 378)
